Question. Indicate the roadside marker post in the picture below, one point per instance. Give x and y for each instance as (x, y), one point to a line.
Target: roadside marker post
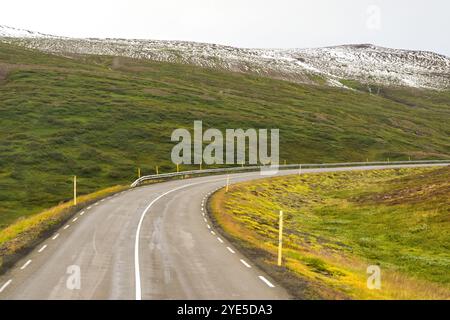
(178, 167)
(228, 182)
(280, 238)
(299, 169)
(139, 173)
(74, 190)
(200, 166)
(157, 171)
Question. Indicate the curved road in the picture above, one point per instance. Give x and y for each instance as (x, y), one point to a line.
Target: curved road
(151, 242)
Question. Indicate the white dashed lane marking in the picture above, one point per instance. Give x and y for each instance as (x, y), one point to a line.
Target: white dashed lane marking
(245, 263)
(81, 213)
(74, 219)
(66, 226)
(231, 250)
(55, 236)
(42, 248)
(7, 283)
(266, 281)
(220, 240)
(25, 265)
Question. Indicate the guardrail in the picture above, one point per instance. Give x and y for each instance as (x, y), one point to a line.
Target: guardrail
(281, 167)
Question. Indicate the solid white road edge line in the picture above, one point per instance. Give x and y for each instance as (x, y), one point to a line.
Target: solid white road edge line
(137, 273)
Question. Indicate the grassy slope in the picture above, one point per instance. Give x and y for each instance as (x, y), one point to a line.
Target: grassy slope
(101, 117)
(336, 224)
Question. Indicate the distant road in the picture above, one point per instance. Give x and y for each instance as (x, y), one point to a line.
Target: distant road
(151, 242)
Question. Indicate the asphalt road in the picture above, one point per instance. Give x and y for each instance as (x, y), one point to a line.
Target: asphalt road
(151, 242)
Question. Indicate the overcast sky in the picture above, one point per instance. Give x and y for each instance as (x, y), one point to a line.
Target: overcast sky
(409, 24)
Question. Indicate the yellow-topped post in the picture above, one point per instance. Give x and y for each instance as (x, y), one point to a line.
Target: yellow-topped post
(280, 238)
(74, 190)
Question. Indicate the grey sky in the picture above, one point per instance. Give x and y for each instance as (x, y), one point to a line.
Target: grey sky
(409, 24)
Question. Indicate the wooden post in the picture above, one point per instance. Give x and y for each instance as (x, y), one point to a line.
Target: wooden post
(74, 190)
(280, 238)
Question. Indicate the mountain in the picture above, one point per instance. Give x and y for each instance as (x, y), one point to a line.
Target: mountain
(102, 117)
(10, 32)
(334, 66)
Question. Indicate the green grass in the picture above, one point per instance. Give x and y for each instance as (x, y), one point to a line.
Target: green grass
(336, 224)
(100, 120)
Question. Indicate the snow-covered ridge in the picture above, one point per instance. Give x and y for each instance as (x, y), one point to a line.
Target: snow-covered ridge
(364, 63)
(11, 32)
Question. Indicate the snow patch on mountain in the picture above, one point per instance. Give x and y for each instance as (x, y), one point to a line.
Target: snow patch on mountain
(10, 32)
(364, 63)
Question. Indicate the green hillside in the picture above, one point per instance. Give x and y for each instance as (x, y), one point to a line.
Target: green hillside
(102, 117)
(337, 224)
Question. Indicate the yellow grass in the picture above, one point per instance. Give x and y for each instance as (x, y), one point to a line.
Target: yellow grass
(23, 233)
(343, 276)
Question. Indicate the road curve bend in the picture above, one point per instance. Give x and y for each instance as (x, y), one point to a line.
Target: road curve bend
(150, 242)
